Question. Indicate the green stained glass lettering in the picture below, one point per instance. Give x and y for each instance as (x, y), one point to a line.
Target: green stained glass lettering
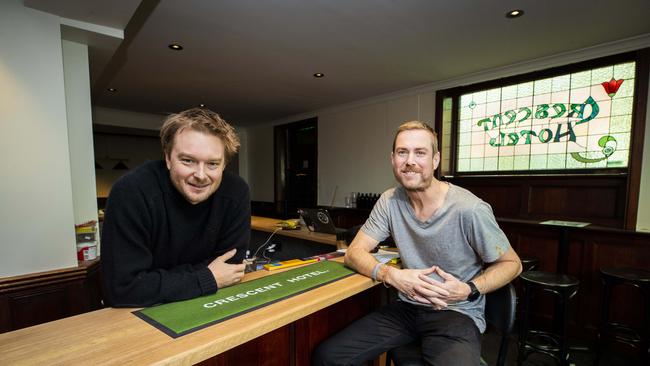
(594, 110)
(545, 135)
(528, 135)
(569, 132)
(525, 112)
(559, 109)
(511, 116)
(542, 111)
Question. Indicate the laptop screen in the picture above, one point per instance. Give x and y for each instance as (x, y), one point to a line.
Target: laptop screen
(318, 220)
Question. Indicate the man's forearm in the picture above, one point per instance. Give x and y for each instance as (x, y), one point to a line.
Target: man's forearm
(360, 260)
(497, 275)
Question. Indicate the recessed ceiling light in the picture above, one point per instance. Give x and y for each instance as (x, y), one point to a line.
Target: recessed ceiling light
(514, 13)
(201, 105)
(112, 90)
(319, 75)
(175, 47)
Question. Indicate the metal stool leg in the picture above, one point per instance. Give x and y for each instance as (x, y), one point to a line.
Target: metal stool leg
(604, 318)
(645, 333)
(523, 329)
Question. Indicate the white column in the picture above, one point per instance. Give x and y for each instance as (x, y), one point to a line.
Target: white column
(80, 131)
(36, 212)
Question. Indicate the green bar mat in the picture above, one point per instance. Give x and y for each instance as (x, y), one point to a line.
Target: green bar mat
(179, 318)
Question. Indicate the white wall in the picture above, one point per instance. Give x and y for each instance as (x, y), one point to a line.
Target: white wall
(643, 214)
(243, 152)
(36, 210)
(257, 159)
(133, 151)
(80, 131)
(122, 118)
(354, 147)
(355, 139)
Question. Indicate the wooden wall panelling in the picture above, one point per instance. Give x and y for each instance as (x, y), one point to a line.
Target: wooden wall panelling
(596, 199)
(586, 199)
(39, 306)
(325, 323)
(46, 296)
(617, 250)
(271, 349)
(505, 198)
(590, 249)
(297, 340)
(346, 218)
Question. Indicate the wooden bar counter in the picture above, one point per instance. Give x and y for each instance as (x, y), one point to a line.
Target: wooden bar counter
(116, 336)
(269, 225)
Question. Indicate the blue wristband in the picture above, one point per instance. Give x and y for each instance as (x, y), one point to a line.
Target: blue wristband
(373, 275)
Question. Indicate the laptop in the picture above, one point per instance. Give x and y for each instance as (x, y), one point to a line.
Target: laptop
(319, 220)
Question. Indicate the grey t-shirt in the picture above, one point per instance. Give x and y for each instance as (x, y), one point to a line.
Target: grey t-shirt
(460, 237)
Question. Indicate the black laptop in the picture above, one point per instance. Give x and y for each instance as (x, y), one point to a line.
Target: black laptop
(319, 220)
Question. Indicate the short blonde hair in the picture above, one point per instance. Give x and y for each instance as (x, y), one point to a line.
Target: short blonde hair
(201, 120)
(418, 125)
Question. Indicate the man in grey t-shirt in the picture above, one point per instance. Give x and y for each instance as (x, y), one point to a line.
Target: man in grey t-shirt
(452, 250)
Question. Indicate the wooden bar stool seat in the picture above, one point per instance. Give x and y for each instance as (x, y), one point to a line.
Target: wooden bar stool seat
(636, 337)
(529, 263)
(554, 344)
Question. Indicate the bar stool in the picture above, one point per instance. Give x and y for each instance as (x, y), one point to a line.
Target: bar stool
(618, 332)
(554, 344)
(529, 263)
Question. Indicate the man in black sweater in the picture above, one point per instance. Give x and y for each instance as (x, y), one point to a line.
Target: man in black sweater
(177, 229)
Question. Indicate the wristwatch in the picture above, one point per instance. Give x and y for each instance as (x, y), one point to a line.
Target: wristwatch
(473, 293)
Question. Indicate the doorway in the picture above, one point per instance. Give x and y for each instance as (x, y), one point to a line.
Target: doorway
(296, 159)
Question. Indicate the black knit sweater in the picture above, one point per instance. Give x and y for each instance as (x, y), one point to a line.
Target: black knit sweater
(156, 245)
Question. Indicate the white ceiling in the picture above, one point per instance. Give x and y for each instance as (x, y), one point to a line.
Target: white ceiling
(252, 61)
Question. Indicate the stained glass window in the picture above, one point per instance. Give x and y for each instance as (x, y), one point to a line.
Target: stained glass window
(580, 120)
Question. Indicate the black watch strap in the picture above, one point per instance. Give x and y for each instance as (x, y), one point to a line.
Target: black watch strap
(474, 293)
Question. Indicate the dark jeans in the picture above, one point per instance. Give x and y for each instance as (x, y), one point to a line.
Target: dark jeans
(448, 337)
